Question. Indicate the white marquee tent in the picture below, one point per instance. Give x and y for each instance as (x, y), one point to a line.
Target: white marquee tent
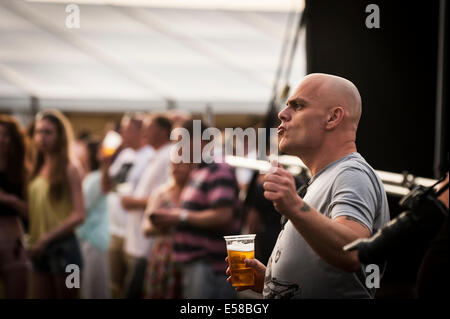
(142, 55)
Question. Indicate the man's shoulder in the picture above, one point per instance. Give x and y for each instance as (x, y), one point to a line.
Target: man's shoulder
(353, 172)
(355, 163)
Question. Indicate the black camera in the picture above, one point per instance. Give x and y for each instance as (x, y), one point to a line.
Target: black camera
(423, 216)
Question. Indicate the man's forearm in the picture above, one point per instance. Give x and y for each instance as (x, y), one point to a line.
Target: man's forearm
(134, 203)
(211, 218)
(105, 181)
(326, 237)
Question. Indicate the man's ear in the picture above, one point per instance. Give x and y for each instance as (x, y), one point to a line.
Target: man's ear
(335, 117)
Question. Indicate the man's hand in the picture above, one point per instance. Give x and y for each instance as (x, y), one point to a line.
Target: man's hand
(165, 217)
(37, 249)
(259, 270)
(6, 198)
(280, 188)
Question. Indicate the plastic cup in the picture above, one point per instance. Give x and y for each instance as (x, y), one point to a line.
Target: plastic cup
(111, 143)
(239, 248)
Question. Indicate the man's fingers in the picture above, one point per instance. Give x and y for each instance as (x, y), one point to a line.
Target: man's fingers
(255, 264)
(271, 195)
(273, 178)
(270, 187)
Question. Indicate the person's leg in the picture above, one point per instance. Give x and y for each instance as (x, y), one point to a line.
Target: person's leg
(117, 266)
(130, 266)
(95, 273)
(198, 280)
(43, 287)
(224, 290)
(14, 270)
(15, 281)
(88, 278)
(61, 289)
(103, 273)
(136, 280)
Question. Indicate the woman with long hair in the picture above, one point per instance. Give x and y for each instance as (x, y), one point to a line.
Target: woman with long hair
(56, 207)
(14, 264)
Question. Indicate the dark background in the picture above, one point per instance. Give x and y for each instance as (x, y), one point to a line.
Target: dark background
(395, 70)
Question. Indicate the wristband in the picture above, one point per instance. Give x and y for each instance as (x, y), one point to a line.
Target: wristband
(183, 215)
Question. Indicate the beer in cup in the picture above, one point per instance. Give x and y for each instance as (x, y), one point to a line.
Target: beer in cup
(111, 143)
(240, 247)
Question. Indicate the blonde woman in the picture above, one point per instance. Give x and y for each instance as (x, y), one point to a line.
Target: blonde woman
(56, 207)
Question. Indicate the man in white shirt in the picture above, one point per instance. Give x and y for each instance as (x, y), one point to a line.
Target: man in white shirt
(123, 176)
(156, 173)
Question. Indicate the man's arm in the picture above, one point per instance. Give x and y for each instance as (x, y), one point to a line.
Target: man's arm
(208, 218)
(133, 203)
(325, 236)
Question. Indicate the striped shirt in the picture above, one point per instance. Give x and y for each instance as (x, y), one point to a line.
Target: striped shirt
(210, 186)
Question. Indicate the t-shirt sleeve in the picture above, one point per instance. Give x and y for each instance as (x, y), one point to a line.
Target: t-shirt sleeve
(222, 187)
(354, 195)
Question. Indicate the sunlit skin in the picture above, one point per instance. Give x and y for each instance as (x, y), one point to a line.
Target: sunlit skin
(131, 133)
(320, 120)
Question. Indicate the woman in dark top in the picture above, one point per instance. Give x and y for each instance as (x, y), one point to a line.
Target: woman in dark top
(14, 264)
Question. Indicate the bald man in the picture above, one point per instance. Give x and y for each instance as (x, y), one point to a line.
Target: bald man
(344, 199)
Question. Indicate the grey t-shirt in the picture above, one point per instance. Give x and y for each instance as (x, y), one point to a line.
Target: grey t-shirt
(346, 187)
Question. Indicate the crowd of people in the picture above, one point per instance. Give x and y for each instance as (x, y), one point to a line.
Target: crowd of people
(135, 223)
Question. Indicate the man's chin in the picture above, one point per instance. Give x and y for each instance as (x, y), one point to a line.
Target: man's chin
(284, 148)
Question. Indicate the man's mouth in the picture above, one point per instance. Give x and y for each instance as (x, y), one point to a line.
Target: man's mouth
(281, 130)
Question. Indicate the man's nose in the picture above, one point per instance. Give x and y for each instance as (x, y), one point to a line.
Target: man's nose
(284, 115)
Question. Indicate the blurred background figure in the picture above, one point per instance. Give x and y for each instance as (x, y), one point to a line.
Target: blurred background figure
(155, 134)
(162, 279)
(93, 234)
(56, 207)
(14, 264)
(119, 177)
(80, 153)
(209, 209)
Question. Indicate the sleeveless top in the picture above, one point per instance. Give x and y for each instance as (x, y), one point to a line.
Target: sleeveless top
(45, 214)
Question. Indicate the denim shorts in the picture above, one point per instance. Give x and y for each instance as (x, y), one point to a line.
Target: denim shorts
(57, 255)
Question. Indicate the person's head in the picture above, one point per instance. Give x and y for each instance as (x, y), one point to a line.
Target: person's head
(53, 133)
(12, 148)
(194, 129)
(180, 172)
(53, 137)
(324, 110)
(130, 129)
(157, 130)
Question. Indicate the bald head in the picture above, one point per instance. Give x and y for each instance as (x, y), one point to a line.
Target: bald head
(331, 91)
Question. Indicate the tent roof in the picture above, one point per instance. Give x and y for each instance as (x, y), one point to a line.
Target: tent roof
(139, 58)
